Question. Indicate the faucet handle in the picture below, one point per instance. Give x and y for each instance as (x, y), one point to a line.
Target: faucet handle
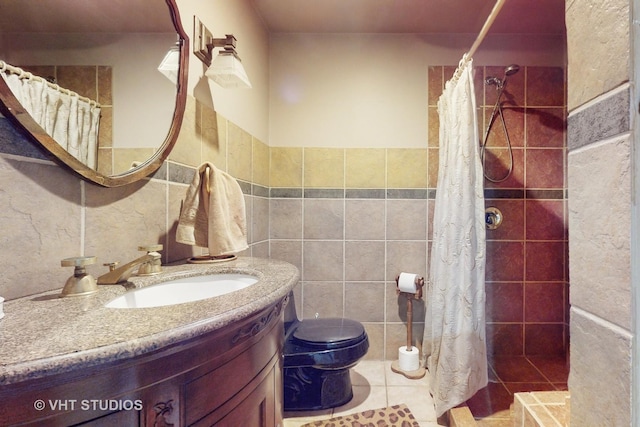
(78, 262)
(153, 266)
(80, 283)
(151, 248)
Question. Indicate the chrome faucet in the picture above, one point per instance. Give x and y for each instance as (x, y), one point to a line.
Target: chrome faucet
(122, 274)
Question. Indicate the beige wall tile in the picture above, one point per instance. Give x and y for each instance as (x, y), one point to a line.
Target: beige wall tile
(187, 148)
(239, 152)
(213, 130)
(365, 168)
(600, 183)
(137, 211)
(598, 43)
(406, 168)
(285, 170)
(600, 379)
(41, 229)
(324, 167)
(260, 163)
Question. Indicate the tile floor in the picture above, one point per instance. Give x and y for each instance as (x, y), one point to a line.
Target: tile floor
(375, 385)
(513, 374)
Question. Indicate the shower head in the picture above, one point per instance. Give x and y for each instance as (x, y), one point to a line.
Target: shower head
(511, 69)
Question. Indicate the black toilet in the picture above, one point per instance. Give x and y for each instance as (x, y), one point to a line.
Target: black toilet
(317, 356)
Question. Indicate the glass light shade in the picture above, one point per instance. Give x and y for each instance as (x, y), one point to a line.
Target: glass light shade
(171, 64)
(227, 70)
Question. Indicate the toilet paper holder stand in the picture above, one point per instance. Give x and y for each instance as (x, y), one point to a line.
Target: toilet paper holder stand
(395, 366)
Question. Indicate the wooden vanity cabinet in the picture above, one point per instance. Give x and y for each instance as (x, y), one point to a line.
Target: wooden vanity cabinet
(228, 377)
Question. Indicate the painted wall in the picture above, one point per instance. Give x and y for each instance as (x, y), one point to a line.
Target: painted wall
(370, 90)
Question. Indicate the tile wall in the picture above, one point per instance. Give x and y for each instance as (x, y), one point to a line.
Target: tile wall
(352, 219)
(50, 214)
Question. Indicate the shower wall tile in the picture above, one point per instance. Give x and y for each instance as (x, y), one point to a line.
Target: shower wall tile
(505, 339)
(435, 84)
(505, 261)
(497, 162)
(545, 261)
(545, 220)
(544, 339)
(545, 168)
(514, 119)
(544, 302)
(512, 227)
(505, 302)
(545, 86)
(513, 90)
(546, 127)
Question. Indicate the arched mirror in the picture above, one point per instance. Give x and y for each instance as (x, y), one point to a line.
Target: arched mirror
(107, 51)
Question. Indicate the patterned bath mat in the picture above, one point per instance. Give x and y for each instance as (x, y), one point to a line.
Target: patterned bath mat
(392, 416)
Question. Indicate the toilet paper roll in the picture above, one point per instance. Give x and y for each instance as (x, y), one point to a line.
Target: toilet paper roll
(1, 307)
(407, 283)
(409, 360)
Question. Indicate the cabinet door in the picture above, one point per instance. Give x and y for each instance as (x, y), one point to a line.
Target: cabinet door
(257, 409)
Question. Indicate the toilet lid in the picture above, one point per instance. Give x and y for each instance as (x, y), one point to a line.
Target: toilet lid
(327, 332)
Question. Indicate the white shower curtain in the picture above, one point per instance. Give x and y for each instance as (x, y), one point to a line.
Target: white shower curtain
(454, 336)
(72, 122)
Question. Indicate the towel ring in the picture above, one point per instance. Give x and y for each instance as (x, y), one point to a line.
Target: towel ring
(207, 179)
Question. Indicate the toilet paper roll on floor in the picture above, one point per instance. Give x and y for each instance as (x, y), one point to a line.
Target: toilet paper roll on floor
(407, 283)
(408, 360)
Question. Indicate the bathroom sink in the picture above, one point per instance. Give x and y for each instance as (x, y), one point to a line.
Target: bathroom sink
(183, 290)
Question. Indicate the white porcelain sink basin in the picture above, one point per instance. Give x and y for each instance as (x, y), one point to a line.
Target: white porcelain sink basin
(179, 291)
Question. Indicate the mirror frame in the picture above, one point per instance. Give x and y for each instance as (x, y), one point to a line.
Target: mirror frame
(22, 120)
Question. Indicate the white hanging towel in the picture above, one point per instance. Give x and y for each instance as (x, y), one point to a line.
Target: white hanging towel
(213, 214)
(454, 335)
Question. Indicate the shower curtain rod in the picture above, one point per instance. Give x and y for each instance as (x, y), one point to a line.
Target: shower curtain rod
(483, 32)
(27, 75)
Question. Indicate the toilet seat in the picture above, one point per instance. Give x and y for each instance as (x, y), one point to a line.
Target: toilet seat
(328, 333)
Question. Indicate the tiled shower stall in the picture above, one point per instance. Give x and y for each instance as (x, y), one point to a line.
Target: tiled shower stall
(352, 219)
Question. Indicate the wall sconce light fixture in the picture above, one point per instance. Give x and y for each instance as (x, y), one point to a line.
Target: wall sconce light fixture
(226, 68)
(170, 64)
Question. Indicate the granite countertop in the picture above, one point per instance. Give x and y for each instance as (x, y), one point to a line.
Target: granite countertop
(44, 334)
